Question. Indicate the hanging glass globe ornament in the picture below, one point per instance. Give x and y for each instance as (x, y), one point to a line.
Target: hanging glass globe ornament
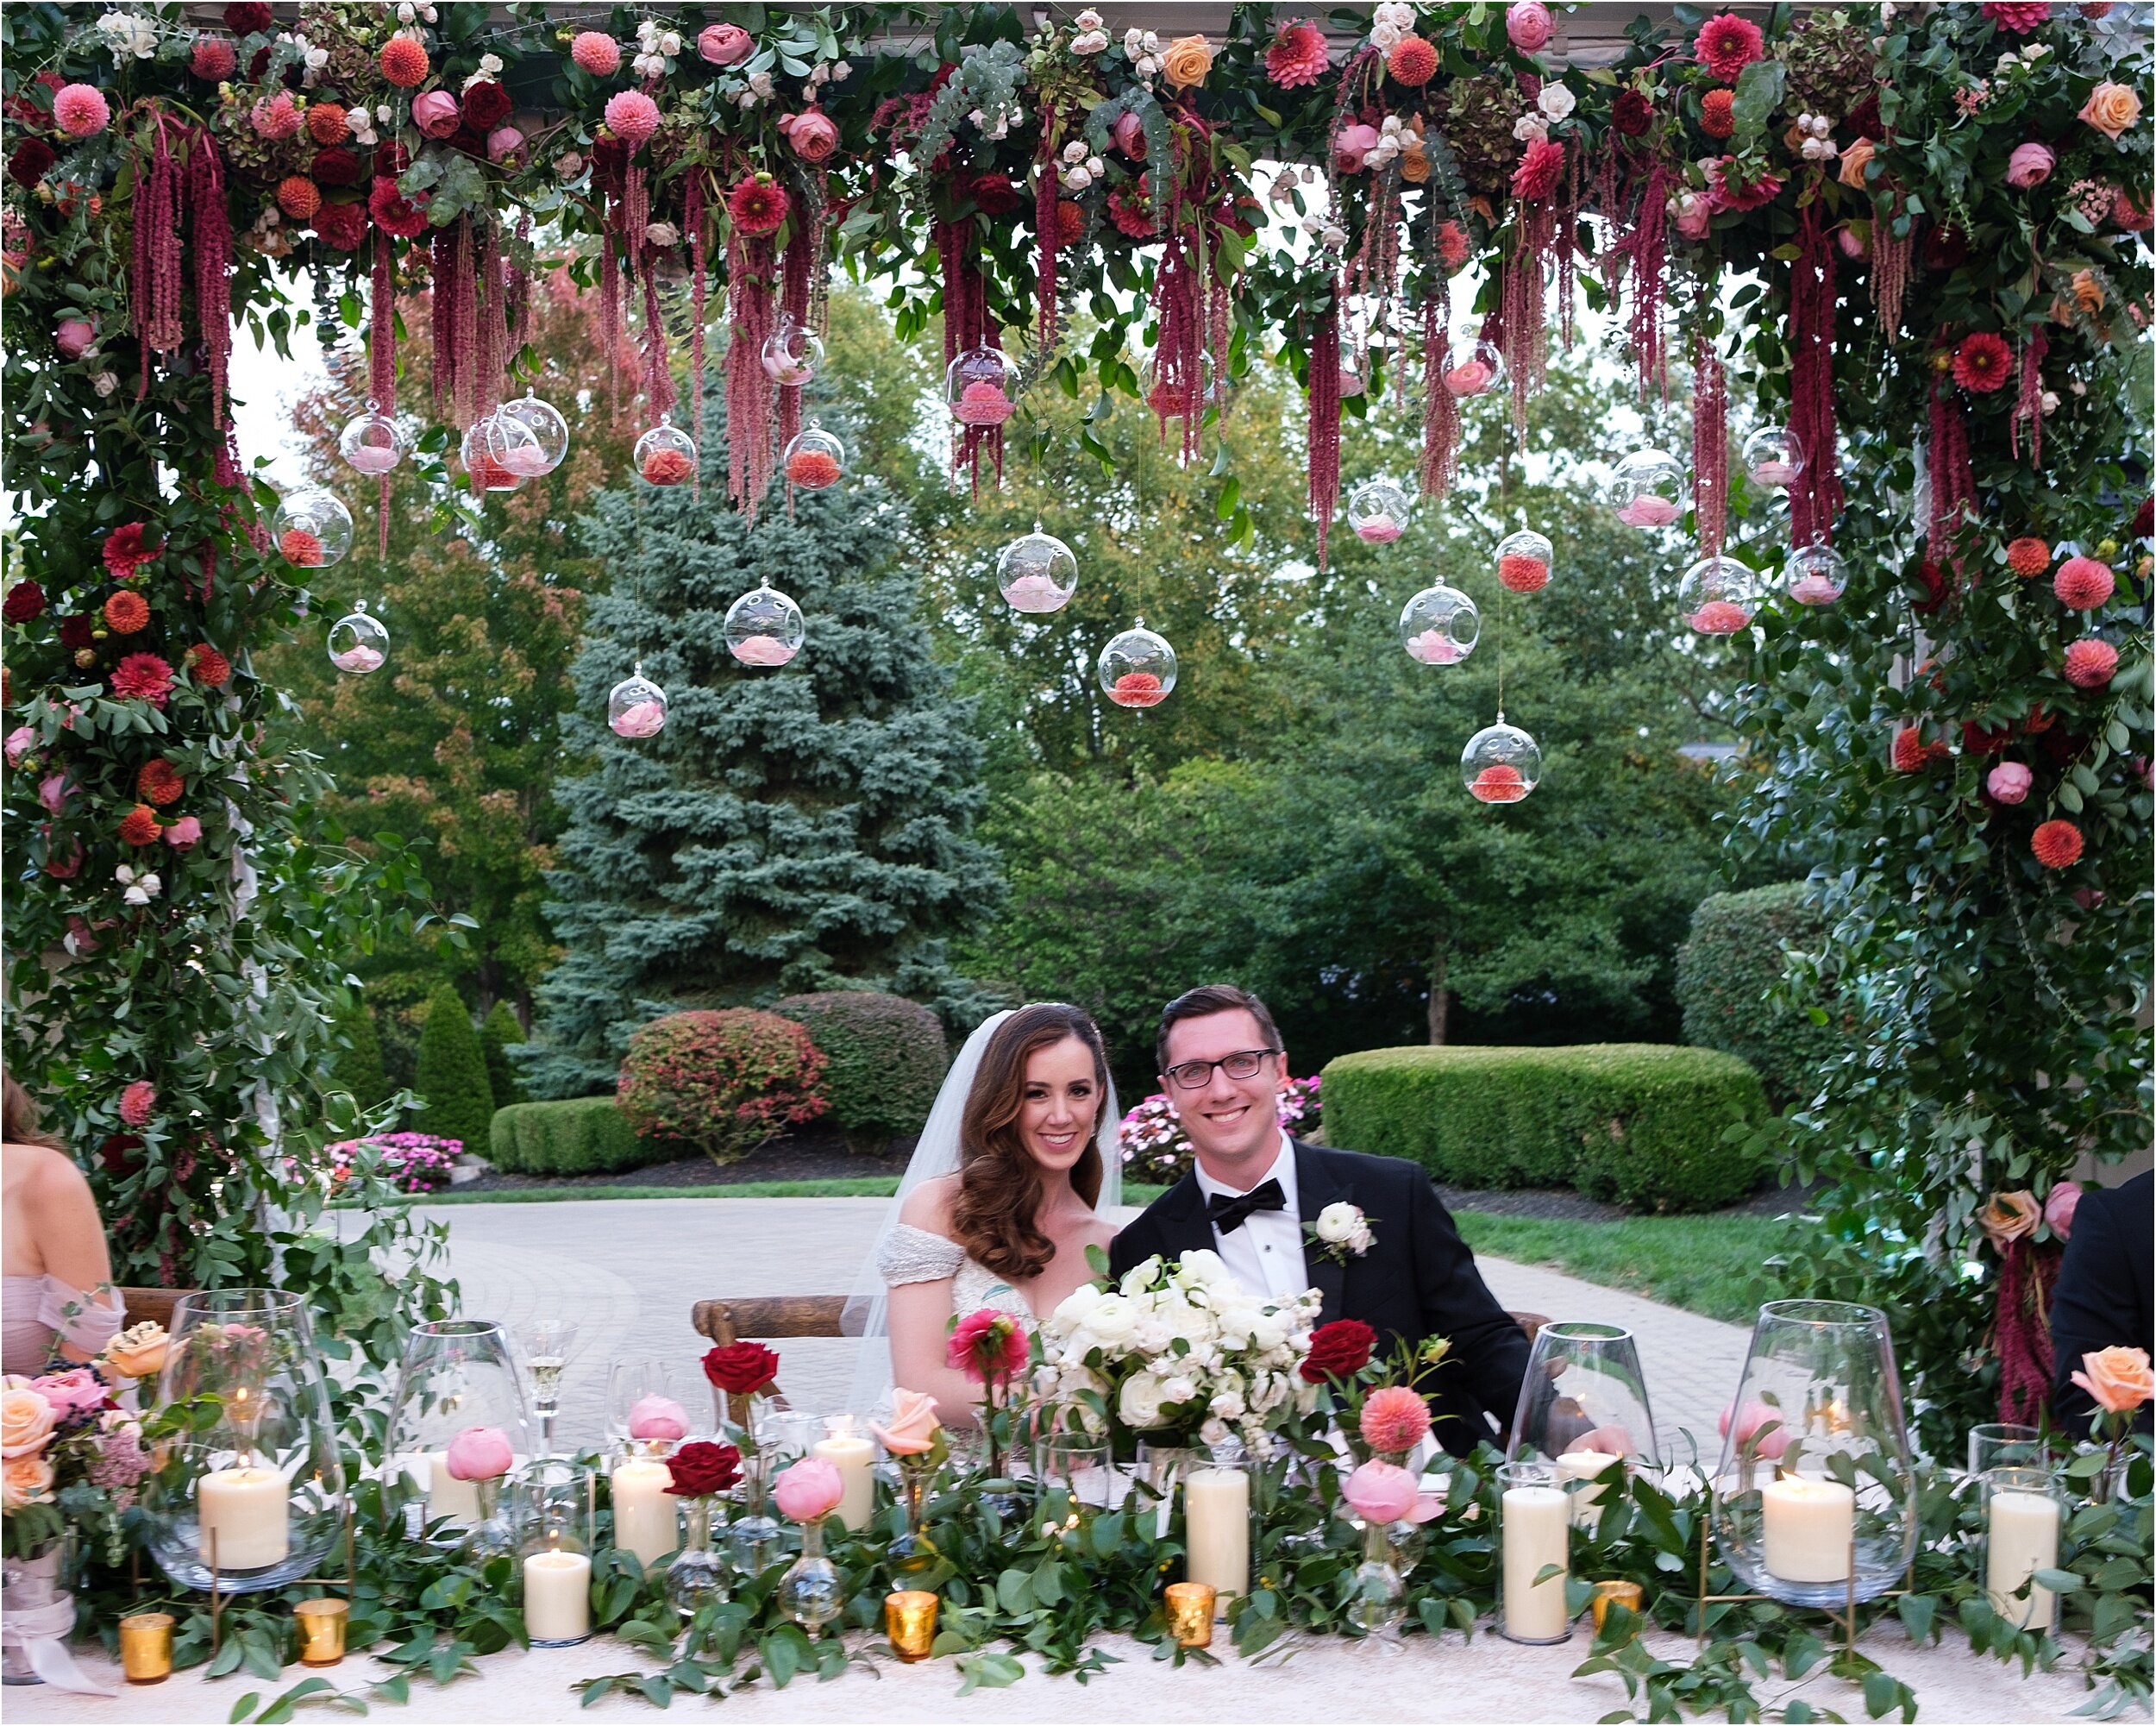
(1500, 764)
(1176, 397)
(637, 708)
(764, 627)
(549, 430)
(1647, 489)
(980, 387)
(1476, 371)
(1439, 626)
(500, 452)
(1719, 596)
(793, 354)
(1378, 510)
(1137, 669)
(1816, 575)
(1037, 573)
(1523, 562)
(1773, 456)
(312, 528)
(358, 642)
(814, 460)
(666, 455)
(371, 444)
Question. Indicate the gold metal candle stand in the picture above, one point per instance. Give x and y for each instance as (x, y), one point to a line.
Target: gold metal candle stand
(346, 1582)
(1845, 1615)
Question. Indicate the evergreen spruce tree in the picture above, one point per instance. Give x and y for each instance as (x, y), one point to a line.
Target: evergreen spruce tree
(501, 1030)
(453, 1074)
(795, 830)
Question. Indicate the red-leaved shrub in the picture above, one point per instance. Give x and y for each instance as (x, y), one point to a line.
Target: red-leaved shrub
(724, 1080)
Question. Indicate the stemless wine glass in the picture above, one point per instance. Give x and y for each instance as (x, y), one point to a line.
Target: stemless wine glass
(636, 1386)
(1814, 1499)
(2004, 1444)
(456, 1374)
(547, 1344)
(1583, 1405)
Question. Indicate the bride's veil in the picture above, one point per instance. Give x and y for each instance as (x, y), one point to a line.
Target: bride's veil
(867, 1314)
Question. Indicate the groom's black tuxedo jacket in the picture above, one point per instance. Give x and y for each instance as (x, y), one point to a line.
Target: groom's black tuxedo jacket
(1417, 1279)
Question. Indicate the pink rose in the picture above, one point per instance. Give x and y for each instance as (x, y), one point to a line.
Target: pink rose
(1855, 241)
(1529, 25)
(725, 44)
(1352, 146)
(812, 134)
(74, 335)
(2008, 782)
(1130, 136)
(51, 792)
(77, 1388)
(434, 112)
(2029, 165)
(502, 143)
(1385, 1492)
(808, 1488)
(21, 741)
(1765, 1445)
(183, 832)
(479, 1453)
(2059, 1209)
(1693, 214)
(658, 1417)
(913, 1424)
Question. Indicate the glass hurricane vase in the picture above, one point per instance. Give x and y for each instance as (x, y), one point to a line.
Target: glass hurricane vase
(809, 1592)
(456, 1374)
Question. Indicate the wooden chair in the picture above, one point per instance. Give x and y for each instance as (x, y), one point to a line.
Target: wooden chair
(152, 1305)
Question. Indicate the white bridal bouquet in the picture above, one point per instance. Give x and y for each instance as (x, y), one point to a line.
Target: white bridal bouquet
(1179, 1352)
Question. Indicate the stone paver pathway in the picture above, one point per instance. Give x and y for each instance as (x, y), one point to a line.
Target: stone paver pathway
(629, 1270)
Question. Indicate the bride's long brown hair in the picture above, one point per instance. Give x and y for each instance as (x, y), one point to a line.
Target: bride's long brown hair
(1000, 1187)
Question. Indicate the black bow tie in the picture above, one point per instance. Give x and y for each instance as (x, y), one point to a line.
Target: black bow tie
(1227, 1211)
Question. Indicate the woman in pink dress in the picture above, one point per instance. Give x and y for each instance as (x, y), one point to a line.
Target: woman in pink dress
(57, 1293)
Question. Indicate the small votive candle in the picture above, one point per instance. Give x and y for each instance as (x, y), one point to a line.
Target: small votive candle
(145, 1647)
(1629, 1595)
(1190, 1613)
(321, 1630)
(909, 1619)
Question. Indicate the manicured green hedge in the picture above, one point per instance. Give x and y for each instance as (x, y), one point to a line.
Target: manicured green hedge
(1640, 1124)
(883, 1059)
(1727, 973)
(584, 1135)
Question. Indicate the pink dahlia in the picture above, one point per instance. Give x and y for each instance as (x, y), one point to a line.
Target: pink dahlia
(1395, 1420)
(276, 118)
(1298, 55)
(1725, 192)
(1726, 44)
(125, 553)
(2083, 584)
(987, 1344)
(2018, 16)
(597, 52)
(213, 59)
(1982, 363)
(632, 116)
(758, 206)
(79, 111)
(1538, 172)
(2091, 663)
(143, 677)
(137, 1102)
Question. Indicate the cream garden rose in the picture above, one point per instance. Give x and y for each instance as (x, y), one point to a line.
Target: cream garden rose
(26, 1422)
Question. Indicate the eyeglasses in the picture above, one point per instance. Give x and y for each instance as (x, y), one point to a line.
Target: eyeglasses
(1244, 1063)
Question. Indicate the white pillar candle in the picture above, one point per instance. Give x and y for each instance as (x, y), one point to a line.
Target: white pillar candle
(1217, 1520)
(557, 1597)
(2021, 1539)
(854, 1458)
(1537, 1534)
(645, 1519)
(244, 1517)
(1810, 1524)
(447, 1495)
(1587, 1501)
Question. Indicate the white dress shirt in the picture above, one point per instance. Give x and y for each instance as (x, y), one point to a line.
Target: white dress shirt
(1265, 1254)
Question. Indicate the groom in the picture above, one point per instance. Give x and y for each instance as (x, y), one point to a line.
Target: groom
(1252, 1190)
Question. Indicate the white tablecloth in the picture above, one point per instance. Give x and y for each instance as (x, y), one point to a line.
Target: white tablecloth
(1324, 1679)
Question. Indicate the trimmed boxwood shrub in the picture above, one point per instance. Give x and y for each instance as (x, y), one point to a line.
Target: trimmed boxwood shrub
(452, 1074)
(883, 1058)
(584, 1135)
(1640, 1124)
(1728, 972)
(724, 1081)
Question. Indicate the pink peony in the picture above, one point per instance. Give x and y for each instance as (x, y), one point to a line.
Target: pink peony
(987, 1343)
(1528, 25)
(983, 403)
(1649, 511)
(73, 336)
(77, 1388)
(808, 1488)
(2008, 782)
(1767, 1445)
(137, 1102)
(1726, 44)
(479, 1453)
(1470, 377)
(503, 143)
(597, 53)
(21, 741)
(1384, 1492)
(1395, 1420)
(183, 833)
(79, 111)
(1129, 133)
(436, 113)
(639, 719)
(1433, 647)
(1352, 146)
(52, 791)
(632, 116)
(658, 1418)
(2029, 165)
(812, 134)
(277, 117)
(2089, 664)
(2059, 1209)
(725, 44)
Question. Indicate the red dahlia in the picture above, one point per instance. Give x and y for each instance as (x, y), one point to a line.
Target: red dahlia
(1070, 222)
(1726, 44)
(32, 160)
(401, 217)
(126, 612)
(2057, 844)
(759, 206)
(2144, 519)
(213, 59)
(1979, 741)
(298, 196)
(246, 17)
(125, 553)
(159, 782)
(1982, 363)
(2029, 557)
(327, 124)
(208, 667)
(1128, 212)
(342, 225)
(336, 167)
(1718, 113)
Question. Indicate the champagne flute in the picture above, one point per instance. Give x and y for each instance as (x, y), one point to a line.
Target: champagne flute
(547, 1345)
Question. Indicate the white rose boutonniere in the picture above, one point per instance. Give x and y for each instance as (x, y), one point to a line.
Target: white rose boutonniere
(1341, 1231)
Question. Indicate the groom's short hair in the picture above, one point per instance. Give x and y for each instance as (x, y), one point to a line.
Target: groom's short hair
(1202, 1003)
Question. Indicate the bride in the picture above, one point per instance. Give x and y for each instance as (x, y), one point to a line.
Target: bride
(999, 1204)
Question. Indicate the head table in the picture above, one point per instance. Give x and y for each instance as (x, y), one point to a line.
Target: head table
(1319, 1679)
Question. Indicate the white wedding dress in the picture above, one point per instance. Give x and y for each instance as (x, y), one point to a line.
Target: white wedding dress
(908, 1254)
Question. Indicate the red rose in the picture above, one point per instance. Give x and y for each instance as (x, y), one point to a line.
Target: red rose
(25, 601)
(32, 160)
(485, 106)
(1979, 740)
(1935, 586)
(76, 633)
(246, 18)
(1339, 1350)
(342, 225)
(702, 1468)
(336, 167)
(741, 1368)
(1630, 113)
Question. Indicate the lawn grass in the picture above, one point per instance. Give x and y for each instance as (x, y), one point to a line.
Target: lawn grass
(1712, 1265)
(864, 1189)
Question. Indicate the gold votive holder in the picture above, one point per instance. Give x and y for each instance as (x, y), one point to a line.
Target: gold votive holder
(145, 1647)
(1190, 1613)
(322, 1630)
(909, 1618)
(1629, 1595)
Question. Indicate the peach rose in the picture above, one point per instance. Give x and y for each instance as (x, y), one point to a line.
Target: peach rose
(1853, 159)
(2118, 1378)
(2009, 1217)
(1188, 58)
(2112, 108)
(25, 1480)
(26, 1422)
(913, 1424)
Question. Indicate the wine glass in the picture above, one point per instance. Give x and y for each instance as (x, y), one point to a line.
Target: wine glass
(547, 1343)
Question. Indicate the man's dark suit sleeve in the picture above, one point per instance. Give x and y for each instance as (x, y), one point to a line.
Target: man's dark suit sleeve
(2090, 1307)
(1132, 1245)
(1488, 1347)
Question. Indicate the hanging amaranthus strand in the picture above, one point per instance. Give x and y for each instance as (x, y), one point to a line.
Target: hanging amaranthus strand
(456, 322)
(967, 326)
(1440, 412)
(2029, 406)
(799, 266)
(2021, 1331)
(1047, 229)
(692, 213)
(213, 269)
(659, 392)
(1710, 448)
(493, 321)
(610, 162)
(1646, 251)
(1890, 271)
(751, 278)
(154, 288)
(1815, 494)
(1953, 481)
(381, 360)
(1179, 305)
(1325, 420)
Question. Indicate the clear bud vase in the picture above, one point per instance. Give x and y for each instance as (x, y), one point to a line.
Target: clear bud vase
(752, 1538)
(808, 1593)
(1377, 1598)
(697, 1574)
(912, 1553)
(494, 1531)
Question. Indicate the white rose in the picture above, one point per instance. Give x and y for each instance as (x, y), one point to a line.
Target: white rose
(1133, 43)
(1095, 166)
(384, 114)
(1181, 1387)
(407, 12)
(669, 44)
(662, 234)
(1077, 178)
(1092, 42)
(1214, 1431)
(2048, 401)
(842, 70)
(1530, 129)
(1386, 37)
(490, 63)
(1088, 20)
(1075, 151)
(1334, 238)
(1139, 1403)
(760, 82)
(1557, 101)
